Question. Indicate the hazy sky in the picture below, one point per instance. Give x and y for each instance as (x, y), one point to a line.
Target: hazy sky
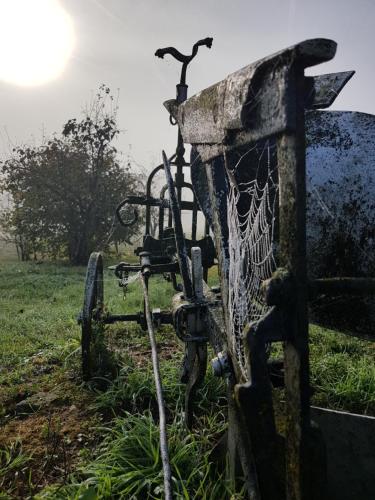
(115, 41)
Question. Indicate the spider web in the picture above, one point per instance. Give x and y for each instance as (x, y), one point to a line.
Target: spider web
(251, 221)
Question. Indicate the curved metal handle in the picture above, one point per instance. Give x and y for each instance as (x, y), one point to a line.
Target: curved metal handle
(206, 41)
(120, 219)
(181, 57)
(184, 59)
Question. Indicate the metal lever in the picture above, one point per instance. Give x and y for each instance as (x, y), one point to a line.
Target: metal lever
(185, 60)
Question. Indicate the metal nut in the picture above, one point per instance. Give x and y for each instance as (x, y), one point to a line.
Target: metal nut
(220, 365)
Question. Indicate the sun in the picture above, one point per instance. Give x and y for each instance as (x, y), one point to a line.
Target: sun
(36, 41)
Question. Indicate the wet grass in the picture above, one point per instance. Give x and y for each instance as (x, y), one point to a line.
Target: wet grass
(39, 308)
(39, 353)
(128, 464)
(342, 371)
(117, 457)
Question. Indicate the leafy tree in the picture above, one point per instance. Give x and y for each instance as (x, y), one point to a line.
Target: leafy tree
(66, 190)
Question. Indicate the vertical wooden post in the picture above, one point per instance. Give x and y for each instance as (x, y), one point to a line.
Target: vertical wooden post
(292, 231)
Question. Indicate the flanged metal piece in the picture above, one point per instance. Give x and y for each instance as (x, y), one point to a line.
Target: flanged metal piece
(221, 365)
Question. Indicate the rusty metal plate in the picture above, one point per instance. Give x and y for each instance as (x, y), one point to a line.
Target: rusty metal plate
(254, 102)
(350, 445)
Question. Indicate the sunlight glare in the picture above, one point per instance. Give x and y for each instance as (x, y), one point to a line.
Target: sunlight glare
(36, 41)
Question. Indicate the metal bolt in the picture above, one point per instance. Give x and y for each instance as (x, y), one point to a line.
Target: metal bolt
(220, 365)
(156, 317)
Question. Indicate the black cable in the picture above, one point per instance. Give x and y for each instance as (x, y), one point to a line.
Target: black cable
(159, 394)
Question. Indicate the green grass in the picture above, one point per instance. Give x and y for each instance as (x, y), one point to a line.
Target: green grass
(342, 371)
(39, 304)
(39, 308)
(128, 463)
(12, 461)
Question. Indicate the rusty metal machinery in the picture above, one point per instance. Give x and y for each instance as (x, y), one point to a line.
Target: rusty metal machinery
(168, 255)
(256, 114)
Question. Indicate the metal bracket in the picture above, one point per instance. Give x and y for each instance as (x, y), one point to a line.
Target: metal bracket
(188, 322)
(221, 365)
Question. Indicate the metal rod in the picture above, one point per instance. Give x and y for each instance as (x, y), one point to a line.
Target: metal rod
(159, 394)
(113, 318)
(169, 267)
(194, 220)
(206, 228)
(161, 212)
(155, 202)
(179, 233)
(148, 192)
(197, 273)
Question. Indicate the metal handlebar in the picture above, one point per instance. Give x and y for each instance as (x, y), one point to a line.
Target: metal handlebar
(184, 59)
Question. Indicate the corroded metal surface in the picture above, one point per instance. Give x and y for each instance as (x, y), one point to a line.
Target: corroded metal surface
(250, 104)
(322, 90)
(350, 443)
(340, 159)
(91, 311)
(179, 233)
(340, 171)
(265, 99)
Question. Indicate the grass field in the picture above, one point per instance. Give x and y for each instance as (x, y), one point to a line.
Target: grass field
(79, 441)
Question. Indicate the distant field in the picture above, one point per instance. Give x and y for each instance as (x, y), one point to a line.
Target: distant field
(40, 303)
(7, 251)
(39, 353)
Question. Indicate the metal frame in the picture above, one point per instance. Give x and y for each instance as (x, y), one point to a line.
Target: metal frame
(218, 121)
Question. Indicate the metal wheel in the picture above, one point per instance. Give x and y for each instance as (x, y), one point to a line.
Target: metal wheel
(91, 312)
